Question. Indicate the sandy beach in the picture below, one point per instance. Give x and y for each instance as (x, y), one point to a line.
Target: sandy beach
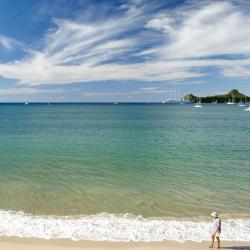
(7, 243)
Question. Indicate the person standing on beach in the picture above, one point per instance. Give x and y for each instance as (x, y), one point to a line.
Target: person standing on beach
(216, 229)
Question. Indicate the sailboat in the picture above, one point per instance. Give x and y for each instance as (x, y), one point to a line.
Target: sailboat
(243, 104)
(198, 104)
(248, 108)
(231, 102)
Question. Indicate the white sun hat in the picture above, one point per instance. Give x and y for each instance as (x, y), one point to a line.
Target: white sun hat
(214, 214)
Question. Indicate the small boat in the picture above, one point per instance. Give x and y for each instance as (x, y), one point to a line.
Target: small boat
(247, 109)
(198, 104)
(26, 103)
(243, 104)
(230, 102)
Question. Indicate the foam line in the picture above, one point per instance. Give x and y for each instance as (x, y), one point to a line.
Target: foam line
(109, 227)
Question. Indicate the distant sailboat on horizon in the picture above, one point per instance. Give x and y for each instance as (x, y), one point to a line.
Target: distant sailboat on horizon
(230, 102)
(198, 104)
(243, 104)
(248, 108)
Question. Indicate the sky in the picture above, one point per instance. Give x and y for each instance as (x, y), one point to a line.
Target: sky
(122, 50)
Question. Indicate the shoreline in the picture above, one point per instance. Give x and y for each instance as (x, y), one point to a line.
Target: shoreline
(113, 228)
(13, 243)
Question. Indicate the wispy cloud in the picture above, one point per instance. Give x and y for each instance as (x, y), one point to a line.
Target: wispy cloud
(102, 94)
(218, 28)
(9, 43)
(28, 91)
(153, 90)
(124, 47)
(18, 91)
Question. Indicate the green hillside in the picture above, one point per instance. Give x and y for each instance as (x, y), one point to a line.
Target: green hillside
(233, 95)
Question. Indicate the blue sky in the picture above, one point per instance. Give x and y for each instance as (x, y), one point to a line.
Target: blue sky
(127, 50)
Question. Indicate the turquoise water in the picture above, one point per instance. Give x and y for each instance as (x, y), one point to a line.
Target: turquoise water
(150, 160)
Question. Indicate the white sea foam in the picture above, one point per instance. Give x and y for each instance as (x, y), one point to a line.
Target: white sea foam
(110, 227)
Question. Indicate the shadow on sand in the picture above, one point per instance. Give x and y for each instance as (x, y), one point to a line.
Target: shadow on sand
(237, 248)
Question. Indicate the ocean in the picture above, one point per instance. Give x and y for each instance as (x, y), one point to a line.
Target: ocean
(126, 172)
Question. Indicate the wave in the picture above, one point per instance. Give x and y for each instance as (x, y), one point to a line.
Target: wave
(110, 227)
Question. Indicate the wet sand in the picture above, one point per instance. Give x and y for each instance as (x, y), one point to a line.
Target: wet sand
(9, 243)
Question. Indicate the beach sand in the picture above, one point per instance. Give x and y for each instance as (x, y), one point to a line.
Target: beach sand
(7, 243)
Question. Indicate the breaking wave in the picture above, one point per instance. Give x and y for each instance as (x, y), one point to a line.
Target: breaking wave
(110, 227)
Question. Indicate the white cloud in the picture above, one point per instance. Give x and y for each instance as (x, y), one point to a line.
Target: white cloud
(153, 90)
(237, 71)
(215, 29)
(85, 52)
(8, 43)
(18, 91)
(28, 91)
(101, 94)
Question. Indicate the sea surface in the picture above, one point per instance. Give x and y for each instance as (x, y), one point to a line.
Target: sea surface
(140, 172)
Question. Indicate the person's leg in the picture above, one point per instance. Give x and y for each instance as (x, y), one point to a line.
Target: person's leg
(218, 242)
(212, 245)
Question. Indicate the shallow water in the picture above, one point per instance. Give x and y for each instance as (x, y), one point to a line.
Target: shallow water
(150, 160)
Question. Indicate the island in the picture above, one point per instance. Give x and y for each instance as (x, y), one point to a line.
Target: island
(234, 96)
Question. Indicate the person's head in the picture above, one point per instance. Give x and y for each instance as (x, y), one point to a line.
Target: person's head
(214, 214)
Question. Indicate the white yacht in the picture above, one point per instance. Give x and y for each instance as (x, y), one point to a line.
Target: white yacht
(230, 102)
(247, 109)
(243, 104)
(198, 104)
